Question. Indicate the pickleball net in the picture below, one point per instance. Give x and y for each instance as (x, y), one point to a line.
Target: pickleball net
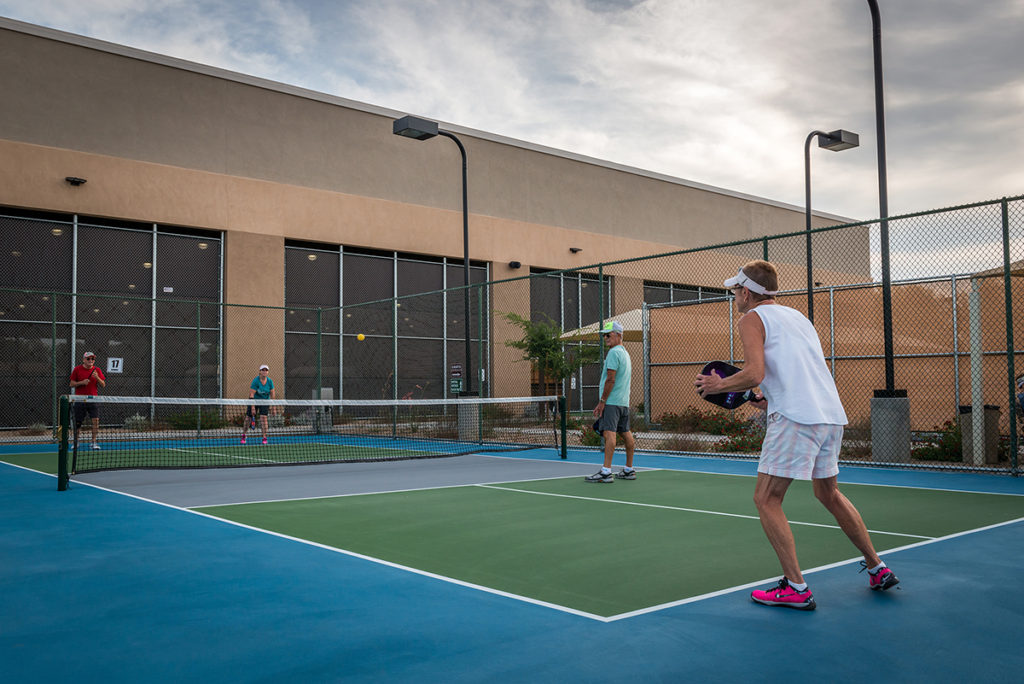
(145, 432)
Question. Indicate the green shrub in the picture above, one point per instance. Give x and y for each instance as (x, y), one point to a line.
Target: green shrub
(210, 419)
(947, 448)
(687, 421)
(589, 437)
(136, 423)
(745, 438)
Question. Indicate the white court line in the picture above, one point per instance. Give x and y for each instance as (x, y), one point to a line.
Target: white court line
(859, 483)
(214, 453)
(383, 491)
(353, 554)
(820, 568)
(525, 599)
(689, 510)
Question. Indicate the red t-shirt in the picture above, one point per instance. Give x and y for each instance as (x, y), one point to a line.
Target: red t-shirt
(82, 373)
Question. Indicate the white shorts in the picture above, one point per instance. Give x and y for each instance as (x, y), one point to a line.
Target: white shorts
(800, 452)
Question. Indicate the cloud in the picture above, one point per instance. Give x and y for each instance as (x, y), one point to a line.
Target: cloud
(722, 93)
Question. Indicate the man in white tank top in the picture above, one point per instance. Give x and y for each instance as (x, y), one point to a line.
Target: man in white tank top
(782, 354)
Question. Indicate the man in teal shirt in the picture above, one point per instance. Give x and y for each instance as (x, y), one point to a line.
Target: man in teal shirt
(612, 411)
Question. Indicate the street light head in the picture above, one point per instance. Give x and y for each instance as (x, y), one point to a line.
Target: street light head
(415, 128)
(838, 141)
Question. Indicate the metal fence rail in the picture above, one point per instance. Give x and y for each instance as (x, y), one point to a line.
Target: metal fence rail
(958, 280)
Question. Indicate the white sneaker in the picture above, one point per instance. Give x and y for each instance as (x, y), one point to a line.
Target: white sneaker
(95, 446)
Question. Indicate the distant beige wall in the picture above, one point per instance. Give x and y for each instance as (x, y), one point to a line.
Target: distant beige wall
(254, 277)
(108, 102)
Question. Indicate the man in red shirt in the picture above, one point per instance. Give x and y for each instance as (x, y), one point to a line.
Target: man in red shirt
(86, 378)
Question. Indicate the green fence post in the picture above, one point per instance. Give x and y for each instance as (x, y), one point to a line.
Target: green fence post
(764, 248)
(199, 369)
(319, 351)
(394, 365)
(1011, 371)
(199, 350)
(600, 311)
(62, 451)
(562, 403)
(480, 372)
(54, 417)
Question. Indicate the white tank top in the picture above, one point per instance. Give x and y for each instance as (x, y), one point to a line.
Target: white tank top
(797, 382)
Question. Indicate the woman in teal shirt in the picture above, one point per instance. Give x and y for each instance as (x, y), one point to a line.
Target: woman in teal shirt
(262, 387)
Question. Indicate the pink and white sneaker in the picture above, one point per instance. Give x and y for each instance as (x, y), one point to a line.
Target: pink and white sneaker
(264, 441)
(243, 439)
(784, 595)
(881, 580)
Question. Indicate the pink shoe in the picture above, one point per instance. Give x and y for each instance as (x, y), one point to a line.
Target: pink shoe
(784, 595)
(243, 439)
(264, 441)
(881, 580)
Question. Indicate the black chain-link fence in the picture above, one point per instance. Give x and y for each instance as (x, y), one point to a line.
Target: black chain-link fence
(364, 325)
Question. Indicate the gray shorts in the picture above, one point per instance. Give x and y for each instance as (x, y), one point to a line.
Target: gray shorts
(614, 418)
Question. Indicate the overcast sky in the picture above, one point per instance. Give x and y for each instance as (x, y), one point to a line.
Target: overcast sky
(721, 92)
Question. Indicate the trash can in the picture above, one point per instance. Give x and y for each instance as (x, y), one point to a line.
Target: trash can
(990, 430)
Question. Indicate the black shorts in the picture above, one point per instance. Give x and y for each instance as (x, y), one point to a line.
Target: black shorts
(614, 418)
(261, 410)
(83, 409)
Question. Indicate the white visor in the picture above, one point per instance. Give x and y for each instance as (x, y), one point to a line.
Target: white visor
(743, 280)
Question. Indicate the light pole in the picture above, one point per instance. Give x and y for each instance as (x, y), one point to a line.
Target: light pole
(424, 129)
(836, 141)
(883, 198)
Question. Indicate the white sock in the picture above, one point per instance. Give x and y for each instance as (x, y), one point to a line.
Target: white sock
(798, 587)
(628, 469)
(605, 470)
(875, 570)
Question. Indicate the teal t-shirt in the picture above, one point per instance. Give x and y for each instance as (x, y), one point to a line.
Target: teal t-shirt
(262, 391)
(617, 360)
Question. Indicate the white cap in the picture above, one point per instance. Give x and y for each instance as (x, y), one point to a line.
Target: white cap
(744, 280)
(610, 327)
(264, 367)
(88, 354)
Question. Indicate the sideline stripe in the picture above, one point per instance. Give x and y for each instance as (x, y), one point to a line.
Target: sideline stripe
(214, 453)
(353, 554)
(688, 510)
(382, 491)
(525, 599)
(820, 568)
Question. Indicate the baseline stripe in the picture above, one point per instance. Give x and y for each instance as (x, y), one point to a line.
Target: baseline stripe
(690, 510)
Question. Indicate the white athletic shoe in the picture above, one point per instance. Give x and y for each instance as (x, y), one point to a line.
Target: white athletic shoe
(95, 446)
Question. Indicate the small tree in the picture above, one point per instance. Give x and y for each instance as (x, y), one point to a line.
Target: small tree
(543, 345)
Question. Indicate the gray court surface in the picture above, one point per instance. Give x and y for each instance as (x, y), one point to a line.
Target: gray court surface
(218, 486)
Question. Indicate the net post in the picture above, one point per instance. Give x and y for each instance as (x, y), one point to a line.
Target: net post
(62, 450)
(562, 424)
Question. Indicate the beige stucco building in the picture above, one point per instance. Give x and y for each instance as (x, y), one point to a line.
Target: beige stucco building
(263, 170)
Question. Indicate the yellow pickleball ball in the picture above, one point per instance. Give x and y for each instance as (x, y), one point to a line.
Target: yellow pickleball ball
(360, 337)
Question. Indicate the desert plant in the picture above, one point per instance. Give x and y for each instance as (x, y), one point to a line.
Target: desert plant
(589, 436)
(745, 438)
(137, 423)
(36, 429)
(948, 446)
(542, 344)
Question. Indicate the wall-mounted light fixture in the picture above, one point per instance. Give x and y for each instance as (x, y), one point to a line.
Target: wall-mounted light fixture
(574, 250)
(75, 180)
(514, 264)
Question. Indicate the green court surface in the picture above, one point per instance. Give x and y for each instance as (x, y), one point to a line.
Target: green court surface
(43, 462)
(611, 549)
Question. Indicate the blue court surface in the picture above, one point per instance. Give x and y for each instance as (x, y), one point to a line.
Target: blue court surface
(100, 586)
